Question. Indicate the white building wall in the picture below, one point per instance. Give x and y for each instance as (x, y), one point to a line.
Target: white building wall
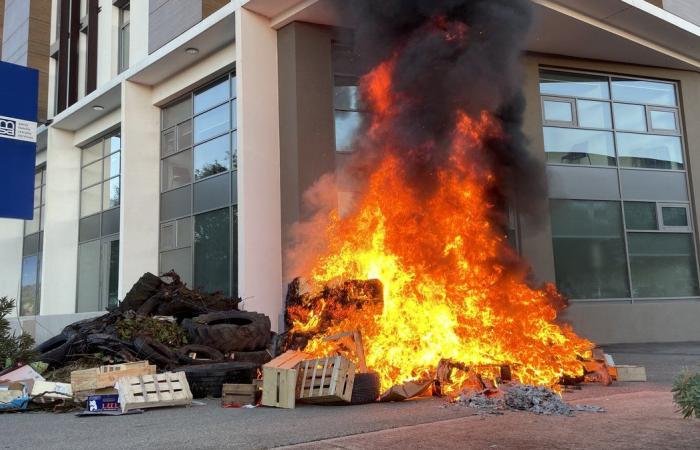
(11, 239)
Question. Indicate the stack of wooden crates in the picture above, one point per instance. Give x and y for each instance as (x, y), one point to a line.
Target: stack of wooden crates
(296, 376)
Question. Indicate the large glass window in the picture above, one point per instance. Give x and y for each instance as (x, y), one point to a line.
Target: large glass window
(198, 230)
(348, 115)
(640, 119)
(98, 236)
(632, 247)
(124, 36)
(30, 293)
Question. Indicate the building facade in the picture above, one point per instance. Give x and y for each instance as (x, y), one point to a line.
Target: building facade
(184, 133)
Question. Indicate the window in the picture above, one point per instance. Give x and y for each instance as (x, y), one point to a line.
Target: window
(198, 232)
(31, 250)
(598, 120)
(98, 235)
(592, 249)
(348, 116)
(589, 249)
(67, 67)
(124, 23)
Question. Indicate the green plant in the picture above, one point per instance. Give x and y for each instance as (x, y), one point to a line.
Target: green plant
(13, 349)
(686, 393)
(163, 331)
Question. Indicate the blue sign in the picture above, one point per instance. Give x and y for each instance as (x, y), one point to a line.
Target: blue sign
(19, 92)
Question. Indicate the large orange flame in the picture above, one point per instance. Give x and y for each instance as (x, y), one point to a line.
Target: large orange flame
(447, 292)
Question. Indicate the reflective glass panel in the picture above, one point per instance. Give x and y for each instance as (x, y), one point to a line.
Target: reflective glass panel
(184, 135)
(630, 117)
(347, 98)
(589, 249)
(168, 143)
(177, 170)
(234, 114)
(594, 114)
(581, 147)
(91, 200)
(28, 295)
(92, 174)
(211, 96)
(650, 151)
(180, 261)
(573, 84)
(111, 193)
(179, 112)
(92, 153)
(212, 157)
(640, 216)
(663, 120)
(674, 216)
(642, 91)
(89, 277)
(167, 236)
(211, 251)
(558, 111)
(211, 123)
(112, 165)
(38, 178)
(662, 265)
(32, 226)
(347, 125)
(114, 144)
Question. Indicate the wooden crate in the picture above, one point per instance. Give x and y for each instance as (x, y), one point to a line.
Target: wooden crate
(630, 373)
(325, 380)
(280, 379)
(238, 394)
(89, 380)
(154, 391)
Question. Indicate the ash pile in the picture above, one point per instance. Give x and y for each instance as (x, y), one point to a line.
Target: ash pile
(173, 327)
(521, 397)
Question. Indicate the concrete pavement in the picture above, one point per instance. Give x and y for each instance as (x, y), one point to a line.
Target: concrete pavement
(640, 415)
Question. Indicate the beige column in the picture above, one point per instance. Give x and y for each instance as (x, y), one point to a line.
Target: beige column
(259, 217)
(60, 256)
(140, 194)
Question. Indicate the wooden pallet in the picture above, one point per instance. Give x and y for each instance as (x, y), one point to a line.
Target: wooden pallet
(326, 380)
(280, 379)
(154, 391)
(106, 376)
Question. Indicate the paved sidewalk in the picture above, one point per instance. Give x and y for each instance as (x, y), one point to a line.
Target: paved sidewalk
(640, 415)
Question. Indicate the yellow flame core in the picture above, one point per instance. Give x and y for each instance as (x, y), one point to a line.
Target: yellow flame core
(447, 293)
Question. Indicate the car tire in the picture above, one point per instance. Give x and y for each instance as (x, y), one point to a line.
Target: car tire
(205, 354)
(155, 352)
(206, 380)
(231, 331)
(55, 350)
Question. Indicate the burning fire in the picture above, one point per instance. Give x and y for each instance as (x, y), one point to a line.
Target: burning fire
(448, 291)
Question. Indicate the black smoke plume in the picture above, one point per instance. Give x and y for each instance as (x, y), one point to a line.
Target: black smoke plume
(437, 77)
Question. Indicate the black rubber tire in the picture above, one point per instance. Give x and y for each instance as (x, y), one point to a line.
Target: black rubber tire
(260, 357)
(231, 331)
(366, 388)
(55, 350)
(207, 379)
(205, 354)
(155, 352)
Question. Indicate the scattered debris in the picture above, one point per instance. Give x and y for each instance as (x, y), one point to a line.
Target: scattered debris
(280, 379)
(154, 391)
(326, 380)
(238, 395)
(630, 373)
(406, 391)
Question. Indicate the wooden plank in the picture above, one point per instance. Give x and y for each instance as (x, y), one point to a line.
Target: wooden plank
(150, 391)
(106, 376)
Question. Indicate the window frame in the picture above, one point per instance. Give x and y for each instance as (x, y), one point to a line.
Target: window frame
(560, 123)
(670, 228)
(123, 28)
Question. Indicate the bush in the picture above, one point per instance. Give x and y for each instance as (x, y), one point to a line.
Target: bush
(13, 349)
(686, 394)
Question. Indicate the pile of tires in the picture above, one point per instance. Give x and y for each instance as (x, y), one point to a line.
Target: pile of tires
(230, 331)
(206, 380)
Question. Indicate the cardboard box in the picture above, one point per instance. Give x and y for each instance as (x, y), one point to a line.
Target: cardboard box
(631, 373)
(102, 403)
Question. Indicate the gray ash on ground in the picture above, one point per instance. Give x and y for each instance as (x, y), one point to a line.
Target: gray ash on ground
(522, 397)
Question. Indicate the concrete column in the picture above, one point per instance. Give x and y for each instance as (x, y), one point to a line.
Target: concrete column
(140, 194)
(536, 233)
(259, 217)
(307, 139)
(60, 263)
(11, 239)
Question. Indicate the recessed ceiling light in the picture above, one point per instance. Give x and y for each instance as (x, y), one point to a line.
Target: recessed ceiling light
(191, 51)
(98, 108)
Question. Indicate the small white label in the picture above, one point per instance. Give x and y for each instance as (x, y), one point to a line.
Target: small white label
(17, 129)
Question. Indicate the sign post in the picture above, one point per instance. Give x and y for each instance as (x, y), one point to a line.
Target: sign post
(19, 88)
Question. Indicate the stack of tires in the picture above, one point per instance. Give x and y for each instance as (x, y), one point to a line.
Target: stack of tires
(234, 343)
